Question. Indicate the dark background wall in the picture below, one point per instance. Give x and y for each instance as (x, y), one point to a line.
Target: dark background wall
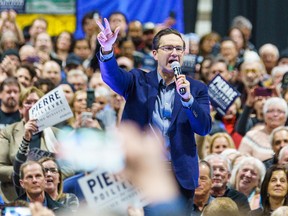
(269, 19)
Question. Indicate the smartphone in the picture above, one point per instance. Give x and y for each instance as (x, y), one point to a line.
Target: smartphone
(90, 97)
(15, 210)
(85, 116)
(261, 91)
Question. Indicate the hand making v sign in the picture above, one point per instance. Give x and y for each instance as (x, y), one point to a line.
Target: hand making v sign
(106, 37)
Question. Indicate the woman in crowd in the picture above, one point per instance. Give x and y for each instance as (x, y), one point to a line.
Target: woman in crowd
(54, 184)
(257, 141)
(63, 46)
(273, 191)
(246, 177)
(221, 141)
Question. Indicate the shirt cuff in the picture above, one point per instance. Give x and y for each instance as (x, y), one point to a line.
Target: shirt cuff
(106, 57)
(189, 103)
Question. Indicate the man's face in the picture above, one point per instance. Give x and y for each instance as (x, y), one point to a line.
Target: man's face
(250, 73)
(219, 68)
(24, 77)
(280, 140)
(52, 71)
(43, 42)
(118, 20)
(27, 104)
(82, 49)
(10, 96)
(221, 173)
(165, 57)
(205, 182)
(38, 27)
(135, 29)
(229, 50)
(33, 180)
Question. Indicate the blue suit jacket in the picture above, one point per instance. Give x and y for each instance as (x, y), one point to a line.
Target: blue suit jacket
(140, 90)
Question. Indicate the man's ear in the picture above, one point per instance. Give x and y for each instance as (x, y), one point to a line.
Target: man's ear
(21, 183)
(155, 55)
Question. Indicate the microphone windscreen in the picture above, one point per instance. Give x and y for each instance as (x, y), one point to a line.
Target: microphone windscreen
(175, 64)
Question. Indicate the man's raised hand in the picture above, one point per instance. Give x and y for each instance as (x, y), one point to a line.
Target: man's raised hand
(106, 37)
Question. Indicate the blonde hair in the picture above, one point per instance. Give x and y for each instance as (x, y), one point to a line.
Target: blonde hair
(229, 139)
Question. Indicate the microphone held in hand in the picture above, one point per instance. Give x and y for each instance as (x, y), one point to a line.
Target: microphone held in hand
(177, 71)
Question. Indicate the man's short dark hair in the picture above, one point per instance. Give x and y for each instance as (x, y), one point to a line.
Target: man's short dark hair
(164, 32)
(9, 81)
(31, 69)
(118, 13)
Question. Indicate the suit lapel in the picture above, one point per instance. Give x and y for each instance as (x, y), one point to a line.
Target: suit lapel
(153, 86)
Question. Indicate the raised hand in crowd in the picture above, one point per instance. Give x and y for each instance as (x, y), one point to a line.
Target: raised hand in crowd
(106, 37)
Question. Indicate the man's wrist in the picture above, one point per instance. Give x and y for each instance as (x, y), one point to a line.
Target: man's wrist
(106, 50)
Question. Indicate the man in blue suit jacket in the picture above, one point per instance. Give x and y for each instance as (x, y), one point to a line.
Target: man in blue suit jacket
(154, 99)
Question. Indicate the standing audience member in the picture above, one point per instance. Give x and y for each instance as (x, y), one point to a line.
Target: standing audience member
(269, 54)
(9, 109)
(273, 191)
(13, 135)
(156, 96)
(25, 75)
(38, 26)
(219, 142)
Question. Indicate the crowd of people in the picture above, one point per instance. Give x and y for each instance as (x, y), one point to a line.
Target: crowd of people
(206, 163)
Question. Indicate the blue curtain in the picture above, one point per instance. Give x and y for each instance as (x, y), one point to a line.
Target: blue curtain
(143, 10)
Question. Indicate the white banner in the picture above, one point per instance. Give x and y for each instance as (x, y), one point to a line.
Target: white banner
(106, 192)
(51, 109)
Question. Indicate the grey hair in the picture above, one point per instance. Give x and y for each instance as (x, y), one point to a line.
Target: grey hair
(225, 159)
(241, 22)
(269, 46)
(256, 163)
(281, 153)
(275, 100)
(280, 128)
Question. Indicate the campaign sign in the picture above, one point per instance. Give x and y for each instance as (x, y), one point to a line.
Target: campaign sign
(106, 192)
(51, 109)
(221, 94)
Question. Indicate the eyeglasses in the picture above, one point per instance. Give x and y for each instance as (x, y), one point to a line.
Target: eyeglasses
(170, 49)
(52, 170)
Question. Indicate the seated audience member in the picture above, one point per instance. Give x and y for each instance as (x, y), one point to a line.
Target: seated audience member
(273, 191)
(283, 156)
(25, 75)
(281, 211)
(9, 109)
(53, 177)
(247, 177)
(278, 140)
(221, 141)
(32, 180)
(221, 206)
(202, 196)
(252, 113)
(13, 135)
(221, 174)
(256, 142)
(269, 54)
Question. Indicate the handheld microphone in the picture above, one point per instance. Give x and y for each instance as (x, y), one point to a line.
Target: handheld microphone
(177, 70)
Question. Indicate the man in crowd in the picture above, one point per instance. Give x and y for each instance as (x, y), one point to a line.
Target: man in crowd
(32, 180)
(9, 110)
(154, 99)
(202, 195)
(221, 173)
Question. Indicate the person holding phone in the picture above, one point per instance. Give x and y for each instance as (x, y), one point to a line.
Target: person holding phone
(153, 99)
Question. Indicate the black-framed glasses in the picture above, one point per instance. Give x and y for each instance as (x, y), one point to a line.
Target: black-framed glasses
(170, 48)
(52, 170)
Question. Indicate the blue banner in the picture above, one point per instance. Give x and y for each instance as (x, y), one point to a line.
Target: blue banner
(155, 11)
